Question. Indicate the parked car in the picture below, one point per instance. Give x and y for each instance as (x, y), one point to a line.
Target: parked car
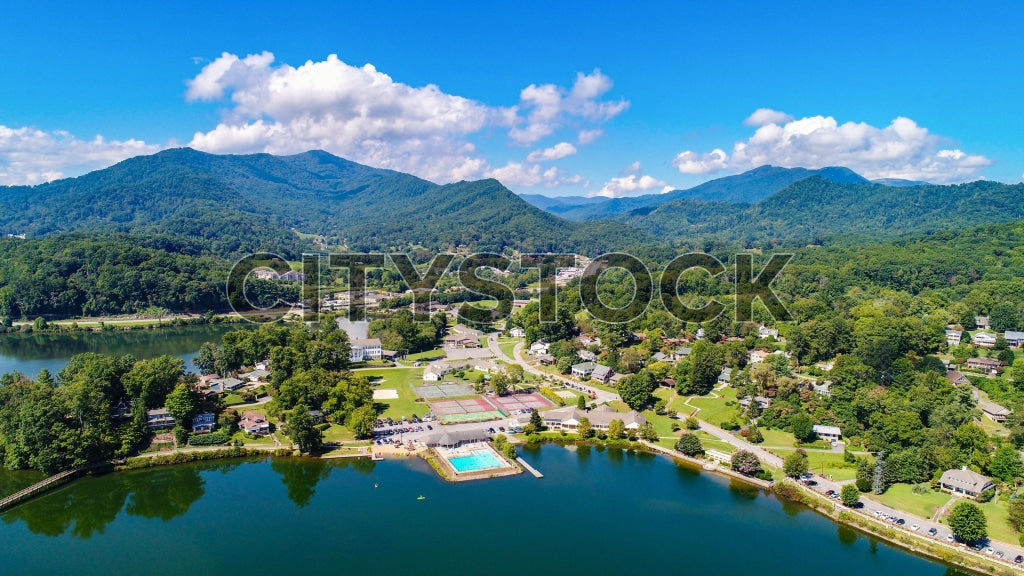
(1019, 559)
(932, 531)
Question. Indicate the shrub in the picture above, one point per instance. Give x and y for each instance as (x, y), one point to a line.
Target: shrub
(211, 439)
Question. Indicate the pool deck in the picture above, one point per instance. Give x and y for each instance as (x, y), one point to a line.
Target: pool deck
(448, 472)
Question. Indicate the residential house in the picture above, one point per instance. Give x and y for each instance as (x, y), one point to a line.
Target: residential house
(539, 347)
(517, 332)
(680, 353)
(255, 423)
(994, 411)
(602, 373)
(255, 375)
(766, 332)
(984, 364)
(761, 401)
(957, 378)
(586, 355)
(953, 337)
(822, 388)
(159, 419)
(984, 339)
(1013, 338)
(122, 411)
(758, 356)
(587, 340)
(829, 433)
(547, 359)
(487, 366)
(982, 323)
(583, 369)
(965, 482)
(225, 384)
(363, 349)
(659, 356)
(725, 376)
(203, 423)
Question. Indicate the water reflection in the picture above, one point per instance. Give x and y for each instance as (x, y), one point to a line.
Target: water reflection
(847, 535)
(300, 477)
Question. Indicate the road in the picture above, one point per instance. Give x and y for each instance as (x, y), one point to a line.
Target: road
(872, 509)
(602, 396)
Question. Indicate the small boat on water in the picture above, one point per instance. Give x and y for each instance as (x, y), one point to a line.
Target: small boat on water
(422, 498)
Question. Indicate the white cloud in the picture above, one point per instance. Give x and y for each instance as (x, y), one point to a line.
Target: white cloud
(530, 175)
(900, 150)
(763, 116)
(34, 156)
(589, 136)
(627, 185)
(632, 168)
(364, 115)
(556, 152)
(552, 107)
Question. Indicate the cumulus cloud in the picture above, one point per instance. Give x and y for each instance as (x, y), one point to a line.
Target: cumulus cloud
(556, 152)
(365, 115)
(530, 175)
(900, 150)
(551, 107)
(763, 116)
(33, 156)
(588, 136)
(631, 183)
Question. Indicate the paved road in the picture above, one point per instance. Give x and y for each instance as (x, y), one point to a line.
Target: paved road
(872, 508)
(602, 396)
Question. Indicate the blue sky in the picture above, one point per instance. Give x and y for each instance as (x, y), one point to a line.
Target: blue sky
(552, 98)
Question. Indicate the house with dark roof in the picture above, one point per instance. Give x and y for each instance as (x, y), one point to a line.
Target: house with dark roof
(957, 378)
(159, 419)
(994, 411)
(602, 373)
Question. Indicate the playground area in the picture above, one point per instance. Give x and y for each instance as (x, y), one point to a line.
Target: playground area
(445, 390)
(460, 411)
(520, 403)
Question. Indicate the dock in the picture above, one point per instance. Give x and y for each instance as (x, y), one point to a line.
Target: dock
(41, 486)
(529, 468)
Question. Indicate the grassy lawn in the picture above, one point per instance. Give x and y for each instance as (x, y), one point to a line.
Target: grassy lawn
(827, 463)
(663, 424)
(424, 356)
(777, 438)
(402, 380)
(232, 399)
(338, 433)
(507, 346)
(714, 410)
(710, 442)
(902, 497)
(259, 440)
(998, 516)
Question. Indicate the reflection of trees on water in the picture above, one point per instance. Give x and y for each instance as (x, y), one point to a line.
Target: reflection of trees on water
(141, 343)
(87, 506)
(301, 475)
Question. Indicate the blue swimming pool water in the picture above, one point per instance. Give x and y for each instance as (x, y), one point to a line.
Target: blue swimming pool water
(479, 460)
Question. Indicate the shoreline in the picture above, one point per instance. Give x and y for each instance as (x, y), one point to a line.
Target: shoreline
(916, 544)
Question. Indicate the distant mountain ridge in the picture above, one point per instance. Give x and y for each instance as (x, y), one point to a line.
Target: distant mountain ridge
(747, 188)
(247, 203)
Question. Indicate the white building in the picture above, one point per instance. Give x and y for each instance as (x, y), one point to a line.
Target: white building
(984, 339)
(364, 349)
(829, 433)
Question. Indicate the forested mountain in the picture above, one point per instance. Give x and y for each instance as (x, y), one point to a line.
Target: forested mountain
(817, 210)
(238, 204)
(749, 187)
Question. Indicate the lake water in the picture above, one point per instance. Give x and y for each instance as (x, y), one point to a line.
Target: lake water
(594, 512)
(31, 353)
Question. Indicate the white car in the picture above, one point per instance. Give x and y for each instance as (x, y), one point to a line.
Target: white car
(990, 550)
(949, 538)
(915, 527)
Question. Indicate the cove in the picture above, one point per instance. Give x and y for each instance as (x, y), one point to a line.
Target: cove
(596, 511)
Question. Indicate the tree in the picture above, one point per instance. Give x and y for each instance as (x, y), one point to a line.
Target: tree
(303, 430)
(865, 472)
(690, 445)
(150, 381)
(878, 485)
(705, 365)
(500, 383)
(616, 429)
(584, 429)
(636, 389)
(182, 404)
(691, 423)
(802, 426)
(967, 522)
(850, 495)
(1017, 513)
(207, 358)
(361, 421)
(754, 435)
(746, 463)
(1006, 464)
(581, 402)
(648, 432)
(536, 421)
(795, 465)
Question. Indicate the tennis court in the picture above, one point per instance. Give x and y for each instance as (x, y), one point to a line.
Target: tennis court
(518, 402)
(469, 410)
(445, 390)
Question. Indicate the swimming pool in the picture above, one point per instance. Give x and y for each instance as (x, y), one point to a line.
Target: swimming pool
(478, 460)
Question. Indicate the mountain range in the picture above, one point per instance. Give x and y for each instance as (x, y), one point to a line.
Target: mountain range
(186, 201)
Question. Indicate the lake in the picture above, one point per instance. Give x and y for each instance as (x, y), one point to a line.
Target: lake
(30, 353)
(596, 511)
